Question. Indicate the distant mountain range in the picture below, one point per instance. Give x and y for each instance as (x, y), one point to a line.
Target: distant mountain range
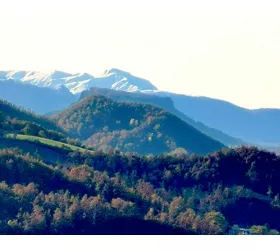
(36, 99)
(219, 119)
(76, 83)
(259, 126)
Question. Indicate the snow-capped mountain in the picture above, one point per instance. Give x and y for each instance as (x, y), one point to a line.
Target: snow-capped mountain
(52, 80)
(53, 91)
(76, 83)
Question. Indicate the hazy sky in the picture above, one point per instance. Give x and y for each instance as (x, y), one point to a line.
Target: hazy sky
(224, 49)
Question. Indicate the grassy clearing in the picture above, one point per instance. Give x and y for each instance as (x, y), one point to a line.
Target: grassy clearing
(46, 141)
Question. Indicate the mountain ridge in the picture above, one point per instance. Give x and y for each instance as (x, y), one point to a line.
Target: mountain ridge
(132, 127)
(164, 103)
(38, 99)
(76, 83)
(256, 126)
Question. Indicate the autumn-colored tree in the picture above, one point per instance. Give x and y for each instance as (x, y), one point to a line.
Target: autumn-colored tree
(123, 207)
(186, 219)
(36, 221)
(82, 173)
(211, 223)
(259, 230)
(145, 189)
(176, 207)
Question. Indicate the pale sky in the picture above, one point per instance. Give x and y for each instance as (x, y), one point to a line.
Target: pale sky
(223, 49)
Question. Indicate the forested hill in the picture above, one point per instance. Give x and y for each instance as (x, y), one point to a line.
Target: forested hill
(256, 126)
(17, 122)
(131, 127)
(119, 194)
(164, 103)
(17, 113)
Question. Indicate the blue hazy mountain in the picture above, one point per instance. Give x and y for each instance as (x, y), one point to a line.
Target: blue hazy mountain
(36, 99)
(257, 126)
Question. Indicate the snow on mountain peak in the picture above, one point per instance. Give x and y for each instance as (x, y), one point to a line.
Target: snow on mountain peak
(115, 71)
(76, 83)
(125, 81)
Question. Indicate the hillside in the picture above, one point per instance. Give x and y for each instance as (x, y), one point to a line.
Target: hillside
(131, 127)
(12, 111)
(53, 188)
(259, 127)
(17, 123)
(164, 103)
(95, 194)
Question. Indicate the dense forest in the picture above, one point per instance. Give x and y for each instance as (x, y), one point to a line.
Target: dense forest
(54, 189)
(131, 127)
(175, 194)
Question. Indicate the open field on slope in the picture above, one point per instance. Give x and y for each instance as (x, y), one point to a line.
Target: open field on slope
(46, 141)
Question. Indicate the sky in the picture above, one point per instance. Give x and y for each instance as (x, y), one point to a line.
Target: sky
(228, 50)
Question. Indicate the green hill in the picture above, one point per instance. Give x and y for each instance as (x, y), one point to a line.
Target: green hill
(167, 104)
(18, 123)
(15, 112)
(131, 127)
(48, 186)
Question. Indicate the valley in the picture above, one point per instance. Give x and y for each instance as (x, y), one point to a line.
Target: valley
(108, 157)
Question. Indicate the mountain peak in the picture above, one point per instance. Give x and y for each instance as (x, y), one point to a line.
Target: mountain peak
(55, 74)
(112, 78)
(124, 80)
(115, 71)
